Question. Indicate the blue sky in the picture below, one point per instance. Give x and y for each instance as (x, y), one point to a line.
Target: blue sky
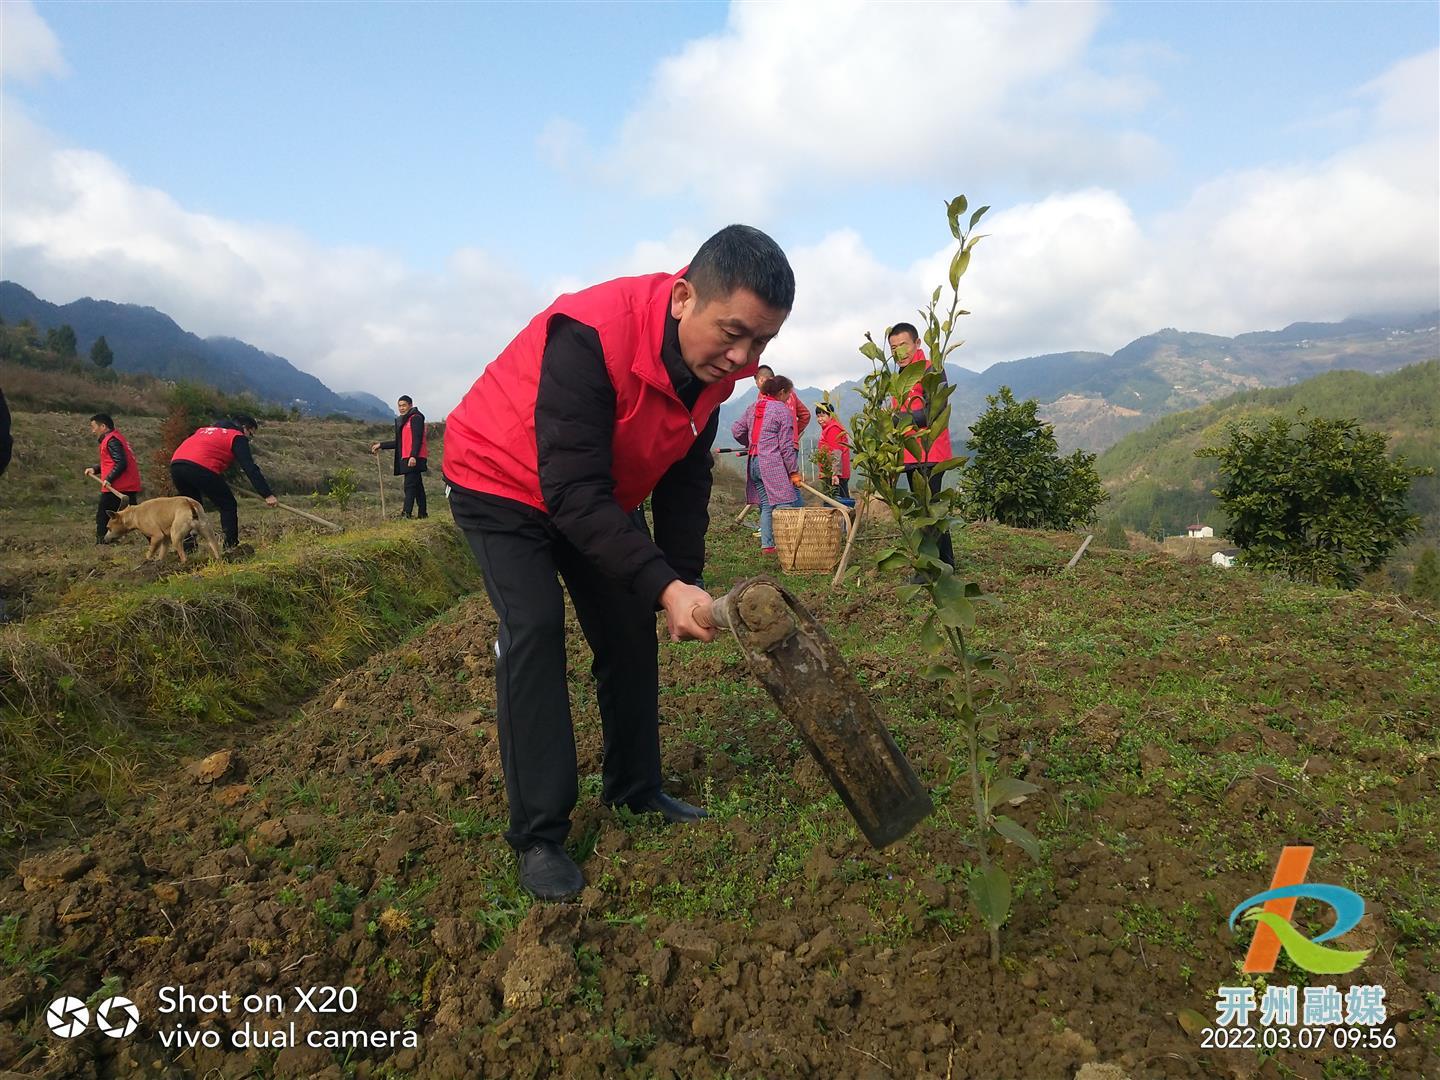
(351, 184)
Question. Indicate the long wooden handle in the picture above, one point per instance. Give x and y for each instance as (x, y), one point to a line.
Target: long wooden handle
(311, 517)
(294, 510)
(124, 498)
(849, 514)
(721, 615)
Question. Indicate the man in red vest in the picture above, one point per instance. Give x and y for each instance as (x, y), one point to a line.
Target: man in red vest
(119, 472)
(608, 397)
(197, 469)
(412, 449)
(905, 348)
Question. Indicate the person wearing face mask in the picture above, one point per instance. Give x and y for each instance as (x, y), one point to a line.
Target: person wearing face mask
(608, 397)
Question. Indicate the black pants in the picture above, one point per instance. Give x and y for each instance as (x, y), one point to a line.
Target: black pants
(842, 488)
(414, 493)
(109, 503)
(939, 535)
(523, 557)
(202, 485)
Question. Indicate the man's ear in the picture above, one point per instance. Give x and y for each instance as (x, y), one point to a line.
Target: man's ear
(682, 296)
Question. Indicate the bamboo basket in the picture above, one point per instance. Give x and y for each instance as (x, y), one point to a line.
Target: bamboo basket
(808, 539)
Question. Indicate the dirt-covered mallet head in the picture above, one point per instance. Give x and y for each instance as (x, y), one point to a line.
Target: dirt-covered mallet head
(733, 299)
(101, 423)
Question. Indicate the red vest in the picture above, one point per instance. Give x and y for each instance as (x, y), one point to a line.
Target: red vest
(490, 435)
(834, 438)
(407, 451)
(211, 447)
(753, 449)
(940, 448)
(129, 480)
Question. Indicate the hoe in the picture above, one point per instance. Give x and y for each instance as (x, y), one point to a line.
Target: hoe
(795, 660)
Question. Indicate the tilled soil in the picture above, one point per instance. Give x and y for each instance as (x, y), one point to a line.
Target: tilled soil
(358, 845)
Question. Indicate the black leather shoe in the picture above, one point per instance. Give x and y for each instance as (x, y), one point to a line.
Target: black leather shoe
(548, 873)
(675, 811)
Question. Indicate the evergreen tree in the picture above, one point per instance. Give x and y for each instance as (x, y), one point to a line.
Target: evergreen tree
(1113, 535)
(1016, 475)
(1156, 531)
(1322, 503)
(61, 340)
(100, 354)
(1425, 585)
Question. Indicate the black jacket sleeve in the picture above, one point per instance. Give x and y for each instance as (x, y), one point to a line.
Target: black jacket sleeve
(117, 459)
(574, 429)
(246, 461)
(681, 506)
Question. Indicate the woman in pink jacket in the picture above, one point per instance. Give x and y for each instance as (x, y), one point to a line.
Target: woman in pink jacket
(767, 431)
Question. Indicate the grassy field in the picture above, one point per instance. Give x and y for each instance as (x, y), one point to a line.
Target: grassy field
(1182, 723)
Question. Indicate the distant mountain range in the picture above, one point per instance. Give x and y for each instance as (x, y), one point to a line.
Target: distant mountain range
(1154, 475)
(1094, 399)
(146, 340)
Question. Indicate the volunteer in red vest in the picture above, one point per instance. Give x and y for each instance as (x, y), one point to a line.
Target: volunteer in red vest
(197, 469)
(119, 472)
(905, 347)
(834, 438)
(797, 407)
(608, 397)
(412, 449)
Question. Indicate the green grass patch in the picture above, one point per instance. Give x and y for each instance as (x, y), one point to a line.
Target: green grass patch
(119, 677)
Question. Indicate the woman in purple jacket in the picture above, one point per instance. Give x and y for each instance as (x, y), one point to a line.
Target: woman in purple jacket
(767, 430)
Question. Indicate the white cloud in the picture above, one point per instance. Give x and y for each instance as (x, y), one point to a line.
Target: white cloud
(797, 92)
(1248, 250)
(357, 318)
(28, 48)
(1078, 269)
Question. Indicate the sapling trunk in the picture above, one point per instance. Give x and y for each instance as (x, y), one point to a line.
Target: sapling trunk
(884, 434)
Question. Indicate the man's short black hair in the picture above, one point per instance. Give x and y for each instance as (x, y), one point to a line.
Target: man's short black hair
(104, 418)
(904, 328)
(243, 421)
(764, 367)
(742, 257)
(406, 398)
